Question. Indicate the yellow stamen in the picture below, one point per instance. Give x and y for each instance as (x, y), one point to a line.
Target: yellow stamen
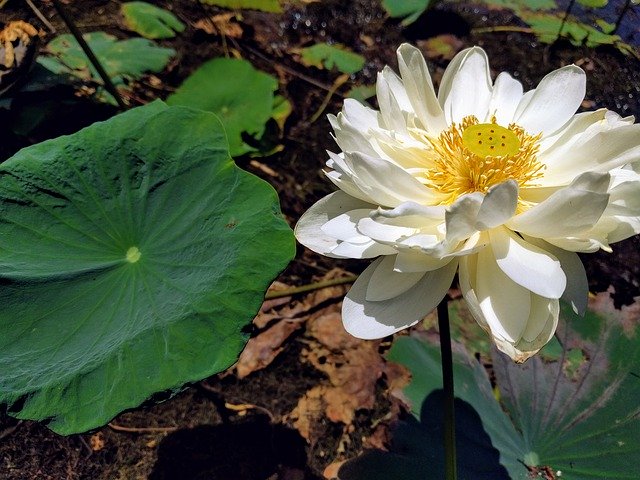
(472, 157)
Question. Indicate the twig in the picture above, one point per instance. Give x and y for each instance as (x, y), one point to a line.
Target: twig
(8, 431)
(42, 18)
(288, 70)
(502, 28)
(121, 428)
(310, 287)
(108, 84)
(341, 80)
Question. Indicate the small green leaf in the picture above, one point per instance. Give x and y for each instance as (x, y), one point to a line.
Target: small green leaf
(593, 3)
(323, 55)
(150, 21)
(408, 10)
(120, 58)
(520, 6)
(546, 27)
(272, 6)
(239, 94)
(132, 254)
(606, 27)
(281, 110)
(362, 92)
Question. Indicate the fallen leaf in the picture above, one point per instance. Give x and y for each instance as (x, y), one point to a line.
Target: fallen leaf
(331, 470)
(441, 46)
(224, 24)
(264, 348)
(97, 442)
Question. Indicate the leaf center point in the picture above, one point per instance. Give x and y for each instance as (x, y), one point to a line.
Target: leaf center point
(133, 255)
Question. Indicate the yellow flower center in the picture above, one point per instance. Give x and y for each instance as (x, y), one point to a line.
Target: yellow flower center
(472, 157)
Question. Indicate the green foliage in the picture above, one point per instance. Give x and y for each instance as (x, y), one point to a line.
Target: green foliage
(323, 55)
(132, 254)
(272, 6)
(240, 95)
(150, 21)
(593, 3)
(573, 411)
(362, 92)
(547, 23)
(123, 60)
(408, 10)
(519, 5)
(547, 26)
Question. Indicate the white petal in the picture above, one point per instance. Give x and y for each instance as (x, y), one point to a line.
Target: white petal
(506, 95)
(554, 101)
(577, 291)
(351, 138)
(419, 88)
(505, 305)
(308, 230)
(383, 232)
(567, 212)
(385, 283)
(361, 250)
(343, 227)
(386, 183)
(360, 115)
(398, 89)
(369, 320)
(467, 275)
(461, 216)
(466, 86)
(541, 311)
(600, 153)
(498, 206)
(565, 138)
(527, 265)
(410, 260)
(392, 116)
(411, 214)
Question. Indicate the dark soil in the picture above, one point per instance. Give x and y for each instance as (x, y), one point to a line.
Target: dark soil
(198, 434)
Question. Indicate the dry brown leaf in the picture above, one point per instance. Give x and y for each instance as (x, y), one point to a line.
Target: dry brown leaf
(331, 471)
(222, 24)
(309, 409)
(263, 349)
(97, 442)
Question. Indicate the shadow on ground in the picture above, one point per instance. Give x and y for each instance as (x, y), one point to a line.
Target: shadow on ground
(248, 450)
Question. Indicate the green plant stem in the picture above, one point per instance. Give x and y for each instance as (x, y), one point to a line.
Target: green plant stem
(310, 287)
(447, 385)
(108, 84)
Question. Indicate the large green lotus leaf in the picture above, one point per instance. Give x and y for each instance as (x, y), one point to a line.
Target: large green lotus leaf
(235, 91)
(150, 21)
(132, 255)
(121, 59)
(580, 414)
(487, 443)
(571, 409)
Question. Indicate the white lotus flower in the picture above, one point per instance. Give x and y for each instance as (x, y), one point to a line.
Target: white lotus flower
(501, 185)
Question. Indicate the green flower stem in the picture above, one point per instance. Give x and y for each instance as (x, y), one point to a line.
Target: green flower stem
(310, 287)
(108, 84)
(447, 385)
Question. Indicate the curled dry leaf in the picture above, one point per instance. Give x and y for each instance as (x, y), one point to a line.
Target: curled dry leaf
(222, 24)
(263, 349)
